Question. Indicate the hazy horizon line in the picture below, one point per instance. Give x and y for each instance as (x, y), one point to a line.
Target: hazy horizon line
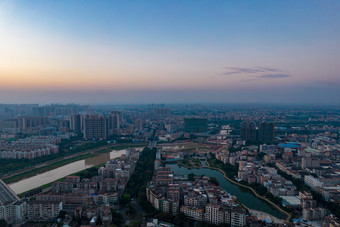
(179, 103)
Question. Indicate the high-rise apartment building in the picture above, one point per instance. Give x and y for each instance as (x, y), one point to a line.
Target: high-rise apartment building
(162, 111)
(139, 124)
(75, 123)
(114, 122)
(266, 132)
(57, 110)
(195, 125)
(95, 127)
(248, 131)
(32, 122)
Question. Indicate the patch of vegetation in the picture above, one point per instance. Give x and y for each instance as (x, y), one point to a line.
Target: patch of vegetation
(136, 186)
(3, 223)
(214, 181)
(191, 162)
(121, 147)
(229, 170)
(130, 210)
(125, 199)
(117, 218)
(191, 177)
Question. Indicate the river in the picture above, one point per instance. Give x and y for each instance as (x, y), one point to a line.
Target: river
(245, 196)
(63, 171)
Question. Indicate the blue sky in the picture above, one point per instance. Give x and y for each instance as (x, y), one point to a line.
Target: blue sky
(169, 51)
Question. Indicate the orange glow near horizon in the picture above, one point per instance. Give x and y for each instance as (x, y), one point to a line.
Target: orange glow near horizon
(58, 49)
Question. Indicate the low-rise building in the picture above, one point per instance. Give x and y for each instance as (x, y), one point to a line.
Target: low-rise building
(43, 210)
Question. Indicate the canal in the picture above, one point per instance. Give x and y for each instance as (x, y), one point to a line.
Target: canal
(63, 171)
(245, 196)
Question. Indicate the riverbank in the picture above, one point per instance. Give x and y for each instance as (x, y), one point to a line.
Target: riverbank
(47, 187)
(53, 164)
(45, 168)
(257, 213)
(262, 215)
(188, 167)
(38, 180)
(253, 191)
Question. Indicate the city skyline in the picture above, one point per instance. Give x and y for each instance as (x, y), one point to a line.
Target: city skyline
(169, 52)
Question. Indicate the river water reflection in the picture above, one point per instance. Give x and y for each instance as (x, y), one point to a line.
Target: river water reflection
(245, 196)
(63, 171)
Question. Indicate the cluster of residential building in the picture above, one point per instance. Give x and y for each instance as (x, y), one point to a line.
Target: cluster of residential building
(30, 147)
(266, 176)
(248, 154)
(263, 133)
(97, 123)
(86, 197)
(252, 169)
(96, 126)
(310, 210)
(14, 210)
(199, 200)
(319, 169)
(304, 144)
(313, 161)
(204, 201)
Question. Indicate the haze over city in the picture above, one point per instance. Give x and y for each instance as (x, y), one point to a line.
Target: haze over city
(205, 113)
(110, 52)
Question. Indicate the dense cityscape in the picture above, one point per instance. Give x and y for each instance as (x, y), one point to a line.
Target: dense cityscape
(169, 165)
(169, 113)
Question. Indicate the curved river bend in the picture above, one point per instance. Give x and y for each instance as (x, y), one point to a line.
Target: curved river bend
(245, 196)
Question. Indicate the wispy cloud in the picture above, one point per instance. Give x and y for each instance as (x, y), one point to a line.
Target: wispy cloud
(248, 70)
(274, 76)
(255, 73)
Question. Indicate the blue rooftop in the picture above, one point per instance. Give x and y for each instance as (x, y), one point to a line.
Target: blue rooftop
(171, 159)
(267, 220)
(290, 145)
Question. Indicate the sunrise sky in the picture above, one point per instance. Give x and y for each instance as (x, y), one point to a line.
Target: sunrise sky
(108, 52)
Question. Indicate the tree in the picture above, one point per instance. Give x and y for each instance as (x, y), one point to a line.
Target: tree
(205, 224)
(131, 210)
(117, 218)
(214, 181)
(191, 177)
(3, 223)
(125, 199)
(134, 224)
(62, 214)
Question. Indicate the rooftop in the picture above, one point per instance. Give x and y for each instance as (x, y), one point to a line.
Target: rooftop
(290, 145)
(7, 195)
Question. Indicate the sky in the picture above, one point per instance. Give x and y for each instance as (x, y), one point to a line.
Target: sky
(170, 51)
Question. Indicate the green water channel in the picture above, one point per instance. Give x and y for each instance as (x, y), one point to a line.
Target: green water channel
(244, 195)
